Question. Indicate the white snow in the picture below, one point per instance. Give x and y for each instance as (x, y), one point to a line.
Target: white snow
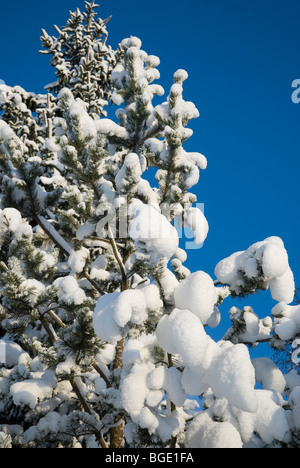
(134, 388)
(78, 113)
(168, 282)
(196, 221)
(153, 234)
(152, 297)
(286, 328)
(269, 421)
(10, 219)
(69, 291)
(269, 375)
(172, 385)
(208, 434)
(287, 324)
(130, 307)
(271, 256)
(275, 260)
(108, 127)
(34, 289)
(283, 287)
(197, 294)
(231, 375)
(77, 260)
(115, 311)
(104, 324)
(183, 333)
(29, 392)
(130, 167)
(180, 76)
(294, 401)
(12, 350)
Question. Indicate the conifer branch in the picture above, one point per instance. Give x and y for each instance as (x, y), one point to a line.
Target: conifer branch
(118, 257)
(102, 375)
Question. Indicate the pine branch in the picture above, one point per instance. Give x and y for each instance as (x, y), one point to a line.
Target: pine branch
(64, 247)
(125, 284)
(86, 409)
(102, 375)
(56, 238)
(173, 406)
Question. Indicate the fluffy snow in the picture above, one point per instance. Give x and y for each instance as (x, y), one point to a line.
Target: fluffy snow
(173, 387)
(227, 368)
(286, 329)
(132, 168)
(269, 375)
(275, 261)
(30, 391)
(134, 388)
(147, 420)
(183, 333)
(294, 401)
(115, 311)
(152, 297)
(197, 294)
(78, 113)
(153, 234)
(196, 221)
(254, 329)
(130, 307)
(287, 325)
(283, 287)
(265, 261)
(156, 378)
(231, 375)
(10, 219)
(13, 352)
(108, 127)
(168, 283)
(269, 421)
(207, 434)
(77, 260)
(34, 289)
(69, 291)
(104, 324)
(180, 76)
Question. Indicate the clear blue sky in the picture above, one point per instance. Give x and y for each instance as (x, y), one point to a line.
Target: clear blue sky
(242, 56)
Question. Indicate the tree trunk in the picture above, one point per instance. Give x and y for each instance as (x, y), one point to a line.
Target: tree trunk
(117, 436)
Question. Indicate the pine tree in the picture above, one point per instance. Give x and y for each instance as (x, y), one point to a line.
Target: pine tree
(82, 60)
(105, 331)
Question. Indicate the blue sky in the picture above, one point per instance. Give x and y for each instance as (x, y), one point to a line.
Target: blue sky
(242, 57)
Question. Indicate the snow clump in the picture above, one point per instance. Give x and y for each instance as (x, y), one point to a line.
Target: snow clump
(153, 234)
(264, 264)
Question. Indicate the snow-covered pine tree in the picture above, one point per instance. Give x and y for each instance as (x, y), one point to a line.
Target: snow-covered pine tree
(82, 60)
(106, 334)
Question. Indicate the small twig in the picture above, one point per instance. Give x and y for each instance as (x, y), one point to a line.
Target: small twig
(63, 246)
(3, 266)
(94, 284)
(56, 318)
(118, 257)
(86, 409)
(173, 406)
(102, 375)
(106, 241)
